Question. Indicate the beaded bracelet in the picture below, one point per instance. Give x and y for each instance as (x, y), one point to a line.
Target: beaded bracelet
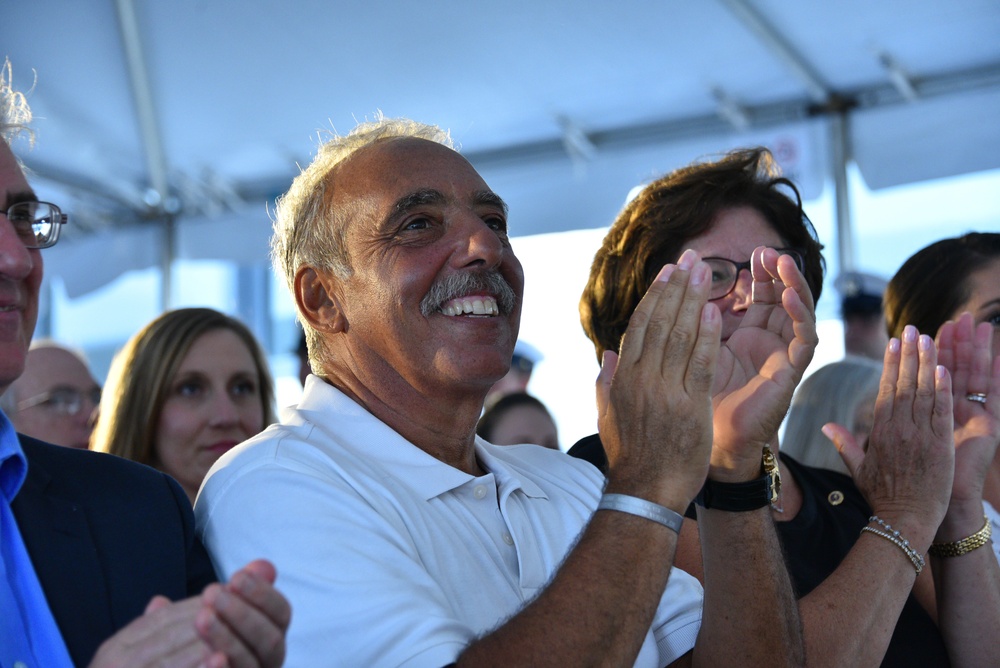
(893, 537)
(964, 546)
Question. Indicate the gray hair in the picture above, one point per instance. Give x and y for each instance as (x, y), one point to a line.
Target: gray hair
(15, 114)
(831, 394)
(307, 229)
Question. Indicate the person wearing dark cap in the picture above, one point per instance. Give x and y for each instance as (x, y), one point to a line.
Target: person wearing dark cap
(522, 363)
(861, 308)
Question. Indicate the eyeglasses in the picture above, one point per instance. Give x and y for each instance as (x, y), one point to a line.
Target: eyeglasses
(725, 272)
(63, 400)
(37, 223)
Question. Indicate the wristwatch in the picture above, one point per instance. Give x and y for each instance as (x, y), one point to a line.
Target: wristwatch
(742, 496)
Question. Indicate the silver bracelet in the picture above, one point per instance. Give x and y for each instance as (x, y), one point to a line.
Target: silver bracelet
(633, 505)
(898, 540)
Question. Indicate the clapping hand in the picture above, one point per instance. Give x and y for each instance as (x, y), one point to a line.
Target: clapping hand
(239, 624)
(761, 364)
(907, 471)
(966, 351)
(654, 398)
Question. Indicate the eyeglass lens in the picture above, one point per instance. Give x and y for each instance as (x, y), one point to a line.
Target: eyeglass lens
(725, 273)
(36, 223)
(65, 400)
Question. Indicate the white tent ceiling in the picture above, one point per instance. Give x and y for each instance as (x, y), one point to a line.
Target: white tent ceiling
(198, 111)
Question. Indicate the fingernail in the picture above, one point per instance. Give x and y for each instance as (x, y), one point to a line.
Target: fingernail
(243, 583)
(909, 334)
(940, 372)
(700, 274)
(687, 260)
(827, 431)
(709, 313)
(222, 601)
(894, 345)
(211, 593)
(924, 342)
(665, 272)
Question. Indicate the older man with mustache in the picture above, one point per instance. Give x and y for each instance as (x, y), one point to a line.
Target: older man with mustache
(402, 539)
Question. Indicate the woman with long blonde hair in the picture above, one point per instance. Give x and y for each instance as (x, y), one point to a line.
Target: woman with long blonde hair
(189, 386)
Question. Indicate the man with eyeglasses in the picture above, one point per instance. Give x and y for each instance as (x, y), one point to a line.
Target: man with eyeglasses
(94, 547)
(56, 398)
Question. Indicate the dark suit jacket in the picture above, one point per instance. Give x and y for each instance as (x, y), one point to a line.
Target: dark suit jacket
(105, 535)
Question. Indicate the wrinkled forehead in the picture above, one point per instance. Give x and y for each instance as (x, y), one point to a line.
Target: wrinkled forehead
(380, 174)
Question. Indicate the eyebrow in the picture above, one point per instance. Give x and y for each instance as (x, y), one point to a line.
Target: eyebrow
(415, 199)
(490, 198)
(18, 197)
(63, 387)
(425, 196)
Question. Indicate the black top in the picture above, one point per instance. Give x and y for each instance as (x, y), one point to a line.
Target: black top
(818, 538)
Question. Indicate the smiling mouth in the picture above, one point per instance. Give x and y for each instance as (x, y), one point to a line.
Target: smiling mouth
(472, 305)
(483, 293)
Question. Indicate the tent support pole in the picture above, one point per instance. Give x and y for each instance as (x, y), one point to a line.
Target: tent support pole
(142, 94)
(840, 154)
(158, 199)
(169, 251)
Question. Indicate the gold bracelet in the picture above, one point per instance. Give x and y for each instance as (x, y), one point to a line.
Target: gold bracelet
(964, 546)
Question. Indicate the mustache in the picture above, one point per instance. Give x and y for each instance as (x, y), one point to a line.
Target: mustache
(466, 283)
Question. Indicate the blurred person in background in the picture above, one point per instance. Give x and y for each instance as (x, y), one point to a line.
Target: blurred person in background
(185, 389)
(302, 352)
(518, 418)
(843, 392)
(56, 398)
(522, 364)
(861, 310)
(952, 287)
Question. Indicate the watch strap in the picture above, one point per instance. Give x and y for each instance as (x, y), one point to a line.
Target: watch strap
(742, 496)
(735, 496)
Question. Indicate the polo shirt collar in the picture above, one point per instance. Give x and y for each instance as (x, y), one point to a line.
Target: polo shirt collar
(357, 430)
(13, 464)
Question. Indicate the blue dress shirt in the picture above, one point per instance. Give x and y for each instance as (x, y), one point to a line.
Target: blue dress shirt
(29, 637)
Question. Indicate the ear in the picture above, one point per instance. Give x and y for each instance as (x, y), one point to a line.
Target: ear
(317, 295)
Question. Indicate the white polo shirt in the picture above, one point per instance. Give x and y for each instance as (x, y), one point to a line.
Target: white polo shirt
(390, 557)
